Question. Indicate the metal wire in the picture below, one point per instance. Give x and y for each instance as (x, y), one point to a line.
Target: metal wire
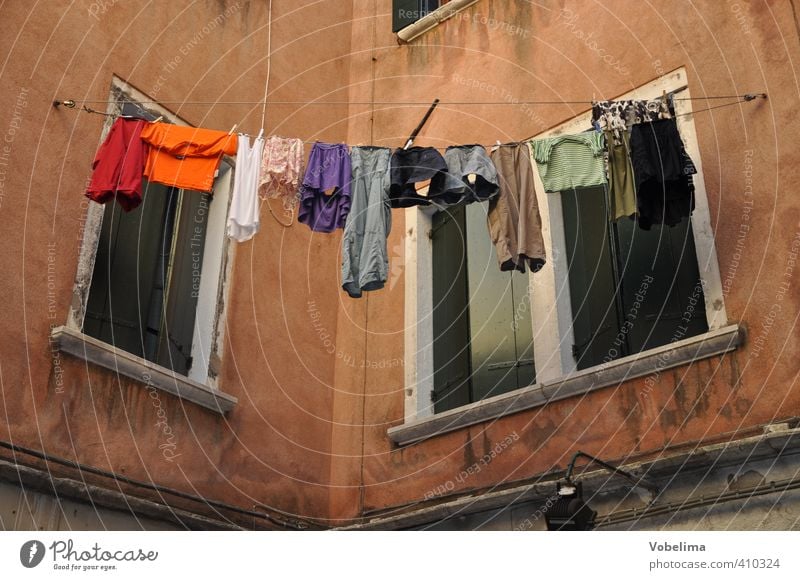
(741, 99)
(746, 97)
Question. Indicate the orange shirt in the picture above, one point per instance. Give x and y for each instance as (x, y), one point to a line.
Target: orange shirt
(185, 157)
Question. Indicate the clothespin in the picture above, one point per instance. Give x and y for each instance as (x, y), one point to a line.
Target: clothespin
(233, 129)
(664, 113)
(160, 118)
(260, 133)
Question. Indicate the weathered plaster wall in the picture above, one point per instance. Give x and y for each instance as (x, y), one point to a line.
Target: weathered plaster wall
(570, 51)
(319, 376)
(274, 447)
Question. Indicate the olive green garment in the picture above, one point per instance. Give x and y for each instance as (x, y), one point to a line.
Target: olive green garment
(622, 191)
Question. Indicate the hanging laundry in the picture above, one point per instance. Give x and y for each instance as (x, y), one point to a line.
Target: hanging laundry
(622, 115)
(618, 116)
(243, 217)
(365, 260)
(185, 157)
(514, 221)
(621, 183)
(118, 165)
(466, 162)
(328, 169)
(281, 168)
(413, 166)
(615, 119)
(663, 170)
(569, 161)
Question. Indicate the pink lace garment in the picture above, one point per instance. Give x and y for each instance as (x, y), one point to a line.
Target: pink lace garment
(281, 168)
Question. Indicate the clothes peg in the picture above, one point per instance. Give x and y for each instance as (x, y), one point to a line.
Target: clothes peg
(233, 128)
(664, 112)
(160, 118)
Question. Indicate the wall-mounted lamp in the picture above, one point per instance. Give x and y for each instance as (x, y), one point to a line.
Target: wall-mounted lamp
(569, 512)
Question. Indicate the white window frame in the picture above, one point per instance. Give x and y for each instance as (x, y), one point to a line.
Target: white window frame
(551, 284)
(551, 309)
(201, 384)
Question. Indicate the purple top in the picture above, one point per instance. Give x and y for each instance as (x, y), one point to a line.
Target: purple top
(328, 167)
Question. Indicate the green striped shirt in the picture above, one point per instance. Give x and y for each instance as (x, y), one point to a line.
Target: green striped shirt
(569, 161)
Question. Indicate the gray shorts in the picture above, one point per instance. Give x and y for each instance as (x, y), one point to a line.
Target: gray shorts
(462, 161)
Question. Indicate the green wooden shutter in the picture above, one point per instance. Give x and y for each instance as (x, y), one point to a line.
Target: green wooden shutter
(177, 330)
(404, 12)
(523, 329)
(451, 329)
(498, 345)
(158, 289)
(661, 292)
(591, 277)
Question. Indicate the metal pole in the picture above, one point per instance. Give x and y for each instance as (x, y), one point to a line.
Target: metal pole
(416, 131)
(636, 481)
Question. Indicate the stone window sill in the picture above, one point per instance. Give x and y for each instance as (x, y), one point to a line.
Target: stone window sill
(432, 20)
(107, 356)
(659, 359)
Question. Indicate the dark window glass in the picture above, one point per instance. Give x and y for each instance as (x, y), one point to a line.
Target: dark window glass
(406, 12)
(630, 289)
(145, 282)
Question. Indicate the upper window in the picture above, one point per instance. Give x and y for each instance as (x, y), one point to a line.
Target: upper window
(407, 12)
(156, 277)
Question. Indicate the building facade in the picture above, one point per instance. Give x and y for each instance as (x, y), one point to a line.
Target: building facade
(157, 375)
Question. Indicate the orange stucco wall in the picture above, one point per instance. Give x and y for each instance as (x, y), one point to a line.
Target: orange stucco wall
(274, 448)
(309, 433)
(552, 51)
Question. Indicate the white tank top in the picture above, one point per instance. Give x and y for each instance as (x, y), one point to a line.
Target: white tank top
(243, 218)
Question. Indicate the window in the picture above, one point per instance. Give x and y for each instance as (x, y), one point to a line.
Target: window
(594, 302)
(630, 289)
(152, 281)
(407, 12)
(483, 337)
(607, 292)
(146, 278)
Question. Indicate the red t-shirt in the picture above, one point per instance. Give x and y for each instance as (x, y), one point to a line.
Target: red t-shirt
(118, 165)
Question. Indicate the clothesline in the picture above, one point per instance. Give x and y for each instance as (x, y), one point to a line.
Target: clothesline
(743, 99)
(71, 103)
(635, 153)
